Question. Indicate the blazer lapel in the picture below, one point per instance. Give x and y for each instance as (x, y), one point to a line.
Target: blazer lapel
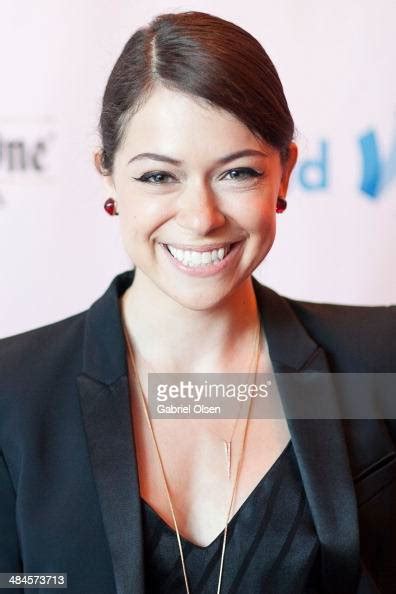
(319, 445)
(105, 408)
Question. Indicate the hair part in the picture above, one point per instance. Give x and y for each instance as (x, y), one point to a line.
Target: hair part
(203, 56)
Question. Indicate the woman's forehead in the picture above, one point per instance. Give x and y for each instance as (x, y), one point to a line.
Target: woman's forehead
(171, 121)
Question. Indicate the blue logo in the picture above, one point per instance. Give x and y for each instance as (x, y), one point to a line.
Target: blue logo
(313, 173)
(377, 171)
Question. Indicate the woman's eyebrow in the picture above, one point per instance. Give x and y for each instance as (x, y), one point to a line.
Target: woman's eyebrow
(221, 161)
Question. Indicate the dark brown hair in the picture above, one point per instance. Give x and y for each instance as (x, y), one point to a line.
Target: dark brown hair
(204, 56)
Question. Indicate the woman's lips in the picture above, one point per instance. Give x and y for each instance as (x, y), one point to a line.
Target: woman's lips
(205, 269)
(204, 248)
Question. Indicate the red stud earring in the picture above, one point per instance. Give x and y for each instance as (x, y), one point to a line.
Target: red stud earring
(110, 206)
(281, 204)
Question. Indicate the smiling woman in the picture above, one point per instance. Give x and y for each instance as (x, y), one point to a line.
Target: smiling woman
(197, 152)
(215, 200)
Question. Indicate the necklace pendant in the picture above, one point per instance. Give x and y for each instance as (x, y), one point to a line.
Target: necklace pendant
(227, 447)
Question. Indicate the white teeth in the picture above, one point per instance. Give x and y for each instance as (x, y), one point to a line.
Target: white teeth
(186, 257)
(193, 259)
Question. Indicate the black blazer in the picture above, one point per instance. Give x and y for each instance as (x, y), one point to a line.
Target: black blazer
(69, 491)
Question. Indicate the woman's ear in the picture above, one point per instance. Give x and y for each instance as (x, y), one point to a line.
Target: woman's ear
(107, 179)
(97, 160)
(288, 168)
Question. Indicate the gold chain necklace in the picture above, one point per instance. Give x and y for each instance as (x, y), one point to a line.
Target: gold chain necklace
(141, 392)
(255, 360)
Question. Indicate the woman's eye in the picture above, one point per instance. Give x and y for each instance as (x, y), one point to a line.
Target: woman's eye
(154, 177)
(162, 177)
(242, 173)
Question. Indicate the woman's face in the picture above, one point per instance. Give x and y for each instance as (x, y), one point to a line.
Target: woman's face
(197, 213)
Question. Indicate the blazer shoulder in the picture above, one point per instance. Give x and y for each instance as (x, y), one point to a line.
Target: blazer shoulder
(42, 334)
(37, 370)
(343, 319)
(357, 338)
(27, 354)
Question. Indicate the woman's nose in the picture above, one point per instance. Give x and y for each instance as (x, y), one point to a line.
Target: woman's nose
(200, 212)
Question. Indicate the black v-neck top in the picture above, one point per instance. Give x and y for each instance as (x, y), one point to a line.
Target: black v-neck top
(272, 546)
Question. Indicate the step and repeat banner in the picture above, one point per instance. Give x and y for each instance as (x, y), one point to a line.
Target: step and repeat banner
(335, 243)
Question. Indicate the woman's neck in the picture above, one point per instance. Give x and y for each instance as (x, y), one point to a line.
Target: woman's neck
(173, 338)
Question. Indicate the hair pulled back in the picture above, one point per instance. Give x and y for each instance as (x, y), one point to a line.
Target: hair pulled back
(204, 56)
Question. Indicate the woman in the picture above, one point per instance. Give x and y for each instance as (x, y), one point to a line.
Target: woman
(196, 158)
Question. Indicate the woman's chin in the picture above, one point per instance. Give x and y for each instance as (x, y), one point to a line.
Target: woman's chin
(199, 300)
